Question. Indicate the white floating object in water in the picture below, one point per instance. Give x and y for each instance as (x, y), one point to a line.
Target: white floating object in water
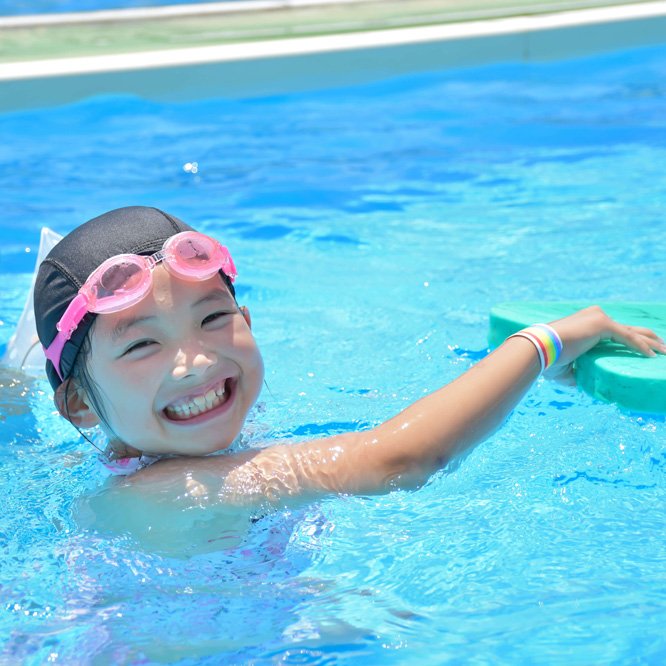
(23, 349)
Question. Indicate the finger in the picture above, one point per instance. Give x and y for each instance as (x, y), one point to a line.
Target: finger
(629, 337)
(652, 340)
(647, 332)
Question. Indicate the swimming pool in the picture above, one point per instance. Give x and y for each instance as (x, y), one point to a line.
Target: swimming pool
(373, 228)
(23, 7)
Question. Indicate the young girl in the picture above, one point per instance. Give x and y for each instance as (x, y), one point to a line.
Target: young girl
(143, 335)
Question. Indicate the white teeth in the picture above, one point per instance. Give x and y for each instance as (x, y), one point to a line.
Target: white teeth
(196, 405)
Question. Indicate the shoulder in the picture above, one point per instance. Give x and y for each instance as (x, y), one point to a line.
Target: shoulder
(232, 478)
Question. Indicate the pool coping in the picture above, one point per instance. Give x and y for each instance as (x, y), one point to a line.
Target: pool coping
(106, 32)
(464, 10)
(266, 67)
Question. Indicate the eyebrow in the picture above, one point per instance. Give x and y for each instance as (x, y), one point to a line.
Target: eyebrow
(126, 323)
(214, 294)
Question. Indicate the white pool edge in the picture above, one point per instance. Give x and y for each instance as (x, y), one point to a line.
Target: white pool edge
(275, 66)
(327, 43)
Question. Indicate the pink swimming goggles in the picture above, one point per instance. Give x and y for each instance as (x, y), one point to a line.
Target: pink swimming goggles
(124, 280)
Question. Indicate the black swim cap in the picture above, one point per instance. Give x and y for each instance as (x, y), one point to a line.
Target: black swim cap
(131, 230)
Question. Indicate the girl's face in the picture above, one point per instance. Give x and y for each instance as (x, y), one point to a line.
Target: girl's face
(179, 371)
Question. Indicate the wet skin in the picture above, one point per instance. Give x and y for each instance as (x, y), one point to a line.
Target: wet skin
(195, 339)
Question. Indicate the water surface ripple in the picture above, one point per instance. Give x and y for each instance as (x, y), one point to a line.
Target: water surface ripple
(373, 229)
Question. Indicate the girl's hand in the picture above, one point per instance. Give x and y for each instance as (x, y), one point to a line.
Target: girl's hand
(584, 329)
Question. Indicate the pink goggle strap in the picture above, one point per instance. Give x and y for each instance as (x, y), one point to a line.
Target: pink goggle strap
(68, 323)
(78, 308)
(228, 267)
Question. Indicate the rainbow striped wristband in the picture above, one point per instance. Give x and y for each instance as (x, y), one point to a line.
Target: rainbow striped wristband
(546, 340)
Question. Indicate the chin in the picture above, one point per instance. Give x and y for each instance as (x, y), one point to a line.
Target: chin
(206, 450)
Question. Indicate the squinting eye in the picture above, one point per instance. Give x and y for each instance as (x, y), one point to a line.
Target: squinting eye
(142, 344)
(214, 317)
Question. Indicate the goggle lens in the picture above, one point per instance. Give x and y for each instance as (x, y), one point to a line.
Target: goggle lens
(193, 256)
(119, 278)
(118, 283)
(125, 279)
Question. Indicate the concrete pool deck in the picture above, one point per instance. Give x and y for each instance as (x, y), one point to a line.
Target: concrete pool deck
(272, 46)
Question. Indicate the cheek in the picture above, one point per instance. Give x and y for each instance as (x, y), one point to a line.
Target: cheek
(255, 366)
(247, 349)
(121, 391)
(246, 346)
(260, 366)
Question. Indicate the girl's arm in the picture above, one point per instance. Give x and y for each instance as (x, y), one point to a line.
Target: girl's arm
(405, 450)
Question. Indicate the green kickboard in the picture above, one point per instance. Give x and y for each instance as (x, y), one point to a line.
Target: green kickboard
(610, 371)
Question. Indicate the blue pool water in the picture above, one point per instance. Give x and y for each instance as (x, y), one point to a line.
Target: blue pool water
(373, 228)
(27, 7)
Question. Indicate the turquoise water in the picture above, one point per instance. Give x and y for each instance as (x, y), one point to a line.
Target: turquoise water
(25, 7)
(373, 229)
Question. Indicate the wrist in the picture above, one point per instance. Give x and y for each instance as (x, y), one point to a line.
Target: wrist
(546, 342)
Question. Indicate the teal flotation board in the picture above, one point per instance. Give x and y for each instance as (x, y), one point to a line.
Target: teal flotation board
(610, 371)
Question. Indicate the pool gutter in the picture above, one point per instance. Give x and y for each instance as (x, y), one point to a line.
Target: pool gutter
(275, 66)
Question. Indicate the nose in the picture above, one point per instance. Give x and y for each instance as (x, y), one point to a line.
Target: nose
(192, 360)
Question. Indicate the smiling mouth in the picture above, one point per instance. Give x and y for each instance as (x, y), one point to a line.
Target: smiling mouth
(193, 406)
